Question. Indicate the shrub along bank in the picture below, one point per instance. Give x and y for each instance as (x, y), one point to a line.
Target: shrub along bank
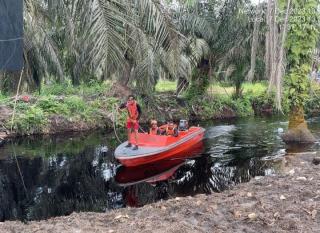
(63, 108)
(60, 108)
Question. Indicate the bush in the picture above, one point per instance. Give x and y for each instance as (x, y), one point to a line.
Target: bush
(75, 104)
(59, 89)
(33, 120)
(312, 105)
(265, 101)
(95, 88)
(242, 106)
(50, 104)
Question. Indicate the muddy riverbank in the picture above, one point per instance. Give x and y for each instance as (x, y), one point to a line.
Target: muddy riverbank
(286, 202)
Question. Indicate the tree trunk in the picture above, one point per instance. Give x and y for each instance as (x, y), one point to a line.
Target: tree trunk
(254, 46)
(9, 82)
(182, 85)
(124, 80)
(279, 71)
(238, 92)
(2, 79)
(268, 41)
(204, 67)
(75, 80)
(273, 45)
(296, 118)
(298, 131)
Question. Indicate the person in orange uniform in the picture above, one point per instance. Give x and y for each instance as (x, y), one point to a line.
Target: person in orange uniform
(170, 129)
(154, 129)
(134, 112)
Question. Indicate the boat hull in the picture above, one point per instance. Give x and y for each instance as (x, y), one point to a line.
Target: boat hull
(181, 149)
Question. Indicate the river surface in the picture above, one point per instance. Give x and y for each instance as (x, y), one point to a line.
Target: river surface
(42, 177)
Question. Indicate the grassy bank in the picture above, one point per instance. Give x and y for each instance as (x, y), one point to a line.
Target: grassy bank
(219, 101)
(61, 108)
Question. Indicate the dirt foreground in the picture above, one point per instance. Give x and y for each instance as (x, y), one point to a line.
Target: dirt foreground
(288, 202)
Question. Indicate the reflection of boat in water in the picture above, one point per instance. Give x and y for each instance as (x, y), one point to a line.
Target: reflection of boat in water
(154, 148)
(149, 173)
(159, 171)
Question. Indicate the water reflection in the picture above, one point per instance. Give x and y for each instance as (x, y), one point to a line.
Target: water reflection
(56, 185)
(151, 173)
(79, 173)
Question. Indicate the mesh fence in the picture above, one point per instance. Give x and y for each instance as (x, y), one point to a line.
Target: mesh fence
(11, 34)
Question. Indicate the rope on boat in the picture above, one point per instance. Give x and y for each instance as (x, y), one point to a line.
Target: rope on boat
(114, 122)
(142, 129)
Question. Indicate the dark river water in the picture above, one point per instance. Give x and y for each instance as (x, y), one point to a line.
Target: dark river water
(42, 177)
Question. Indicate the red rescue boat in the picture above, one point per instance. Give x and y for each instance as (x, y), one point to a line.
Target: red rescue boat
(153, 148)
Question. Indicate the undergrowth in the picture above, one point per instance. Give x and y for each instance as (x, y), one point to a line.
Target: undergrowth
(91, 105)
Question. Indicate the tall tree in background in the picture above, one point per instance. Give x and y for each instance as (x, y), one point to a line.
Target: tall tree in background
(277, 25)
(255, 41)
(270, 40)
(227, 29)
(302, 38)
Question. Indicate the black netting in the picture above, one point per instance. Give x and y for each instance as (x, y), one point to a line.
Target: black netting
(11, 33)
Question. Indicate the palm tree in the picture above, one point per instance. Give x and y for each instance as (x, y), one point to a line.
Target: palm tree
(226, 28)
(134, 41)
(73, 39)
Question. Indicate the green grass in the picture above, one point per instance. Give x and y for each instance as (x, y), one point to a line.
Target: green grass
(166, 86)
(93, 88)
(217, 88)
(253, 88)
(2, 96)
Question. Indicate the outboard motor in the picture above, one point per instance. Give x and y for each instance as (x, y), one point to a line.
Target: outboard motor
(183, 125)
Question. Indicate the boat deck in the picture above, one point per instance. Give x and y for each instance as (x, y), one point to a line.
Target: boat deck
(124, 151)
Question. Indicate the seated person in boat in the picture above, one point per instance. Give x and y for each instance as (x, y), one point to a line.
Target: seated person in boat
(154, 129)
(134, 112)
(169, 129)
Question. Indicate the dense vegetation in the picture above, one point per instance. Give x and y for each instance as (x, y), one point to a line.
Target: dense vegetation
(82, 56)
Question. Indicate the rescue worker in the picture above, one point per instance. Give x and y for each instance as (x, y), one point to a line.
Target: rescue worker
(170, 129)
(134, 112)
(154, 129)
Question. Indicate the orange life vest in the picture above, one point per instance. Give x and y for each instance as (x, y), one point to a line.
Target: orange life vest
(167, 130)
(170, 131)
(154, 131)
(132, 111)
